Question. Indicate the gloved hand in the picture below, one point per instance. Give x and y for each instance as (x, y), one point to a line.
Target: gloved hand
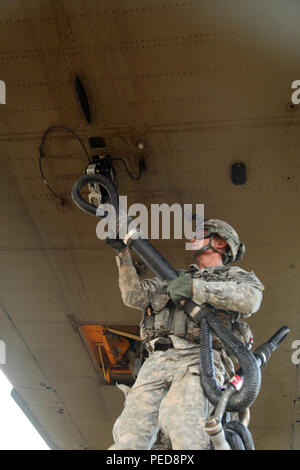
(116, 243)
(180, 288)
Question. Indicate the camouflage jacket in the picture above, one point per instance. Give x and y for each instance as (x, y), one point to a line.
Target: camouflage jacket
(229, 289)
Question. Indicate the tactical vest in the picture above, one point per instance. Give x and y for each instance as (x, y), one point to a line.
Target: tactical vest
(160, 322)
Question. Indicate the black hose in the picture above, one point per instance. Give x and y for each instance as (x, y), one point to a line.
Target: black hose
(264, 351)
(243, 433)
(153, 259)
(252, 377)
(234, 440)
(103, 181)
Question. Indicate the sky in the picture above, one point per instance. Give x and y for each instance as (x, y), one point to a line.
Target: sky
(16, 431)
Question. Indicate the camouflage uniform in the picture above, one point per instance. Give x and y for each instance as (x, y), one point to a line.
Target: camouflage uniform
(167, 393)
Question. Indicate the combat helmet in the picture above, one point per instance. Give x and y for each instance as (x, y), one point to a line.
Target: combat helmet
(236, 248)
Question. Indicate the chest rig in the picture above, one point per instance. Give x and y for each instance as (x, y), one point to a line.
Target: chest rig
(163, 318)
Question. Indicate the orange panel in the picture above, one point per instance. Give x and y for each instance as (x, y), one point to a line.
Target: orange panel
(112, 351)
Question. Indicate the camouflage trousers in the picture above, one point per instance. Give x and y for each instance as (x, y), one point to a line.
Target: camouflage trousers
(168, 395)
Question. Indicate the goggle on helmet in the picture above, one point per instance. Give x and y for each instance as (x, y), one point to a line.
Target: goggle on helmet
(235, 250)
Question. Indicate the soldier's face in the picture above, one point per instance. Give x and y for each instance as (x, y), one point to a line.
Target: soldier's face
(217, 242)
(200, 241)
(198, 244)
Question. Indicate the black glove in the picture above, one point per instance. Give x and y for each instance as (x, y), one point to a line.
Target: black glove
(116, 243)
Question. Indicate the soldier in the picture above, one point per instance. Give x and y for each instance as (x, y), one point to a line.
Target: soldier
(167, 393)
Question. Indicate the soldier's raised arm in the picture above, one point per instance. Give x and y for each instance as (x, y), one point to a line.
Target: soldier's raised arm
(137, 293)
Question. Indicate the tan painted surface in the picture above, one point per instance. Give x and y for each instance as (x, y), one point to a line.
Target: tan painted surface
(204, 84)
